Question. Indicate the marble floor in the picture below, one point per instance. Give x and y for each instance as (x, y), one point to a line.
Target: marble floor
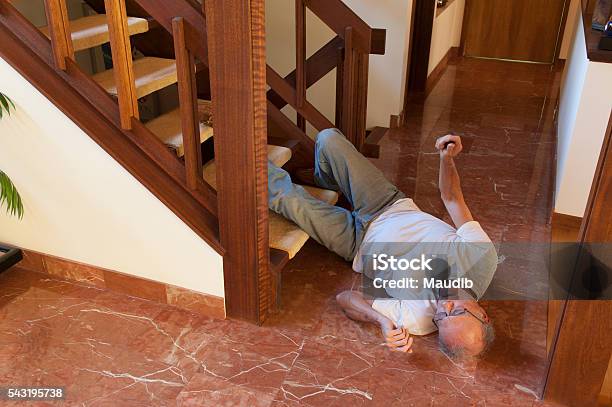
(112, 350)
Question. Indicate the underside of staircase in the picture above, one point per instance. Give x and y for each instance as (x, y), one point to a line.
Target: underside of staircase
(204, 159)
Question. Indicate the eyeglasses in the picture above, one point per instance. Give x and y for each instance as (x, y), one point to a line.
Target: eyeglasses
(455, 312)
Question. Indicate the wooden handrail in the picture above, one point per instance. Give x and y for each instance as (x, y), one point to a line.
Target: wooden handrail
(122, 61)
(59, 32)
(185, 66)
(338, 16)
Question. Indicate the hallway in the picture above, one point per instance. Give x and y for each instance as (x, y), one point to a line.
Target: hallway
(113, 350)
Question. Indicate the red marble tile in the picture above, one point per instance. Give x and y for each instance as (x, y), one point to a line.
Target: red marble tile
(209, 391)
(306, 289)
(131, 305)
(174, 338)
(120, 380)
(323, 375)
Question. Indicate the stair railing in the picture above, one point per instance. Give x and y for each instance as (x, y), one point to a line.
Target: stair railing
(187, 41)
(348, 52)
(240, 209)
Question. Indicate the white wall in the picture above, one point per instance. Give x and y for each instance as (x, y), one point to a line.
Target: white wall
(81, 205)
(584, 111)
(446, 32)
(387, 72)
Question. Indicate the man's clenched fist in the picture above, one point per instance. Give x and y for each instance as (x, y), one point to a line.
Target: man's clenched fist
(449, 146)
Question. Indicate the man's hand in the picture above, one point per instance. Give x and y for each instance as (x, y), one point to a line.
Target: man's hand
(356, 307)
(398, 340)
(449, 146)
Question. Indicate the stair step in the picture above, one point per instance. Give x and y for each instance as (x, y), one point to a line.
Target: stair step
(151, 74)
(278, 155)
(91, 31)
(284, 234)
(168, 127)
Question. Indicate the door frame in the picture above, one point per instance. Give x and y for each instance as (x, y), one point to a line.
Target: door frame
(581, 350)
(419, 46)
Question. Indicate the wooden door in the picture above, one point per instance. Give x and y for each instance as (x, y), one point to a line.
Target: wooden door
(521, 30)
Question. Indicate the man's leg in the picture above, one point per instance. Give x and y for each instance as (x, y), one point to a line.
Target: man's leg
(338, 165)
(331, 226)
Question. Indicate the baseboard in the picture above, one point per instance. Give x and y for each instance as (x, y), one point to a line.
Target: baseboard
(394, 121)
(436, 74)
(182, 298)
(565, 228)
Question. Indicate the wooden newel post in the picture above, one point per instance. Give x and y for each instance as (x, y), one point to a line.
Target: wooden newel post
(236, 41)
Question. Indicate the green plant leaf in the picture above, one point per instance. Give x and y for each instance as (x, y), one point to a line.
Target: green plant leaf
(4, 103)
(8, 193)
(10, 197)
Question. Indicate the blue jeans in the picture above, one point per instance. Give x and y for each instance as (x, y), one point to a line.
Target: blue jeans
(339, 167)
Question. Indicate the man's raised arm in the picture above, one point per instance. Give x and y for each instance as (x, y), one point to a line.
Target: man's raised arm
(449, 147)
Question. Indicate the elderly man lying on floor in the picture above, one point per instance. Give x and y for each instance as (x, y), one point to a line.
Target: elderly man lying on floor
(385, 221)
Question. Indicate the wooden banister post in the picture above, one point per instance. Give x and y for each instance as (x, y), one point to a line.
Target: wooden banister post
(236, 41)
(59, 32)
(300, 60)
(187, 89)
(122, 61)
(361, 98)
(340, 89)
(348, 88)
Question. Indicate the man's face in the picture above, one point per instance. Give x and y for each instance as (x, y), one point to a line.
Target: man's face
(462, 331)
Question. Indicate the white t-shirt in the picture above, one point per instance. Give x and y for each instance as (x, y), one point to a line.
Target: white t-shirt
(405, 222)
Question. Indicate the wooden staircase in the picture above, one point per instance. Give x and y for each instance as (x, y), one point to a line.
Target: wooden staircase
(91, 31)
(223, 199)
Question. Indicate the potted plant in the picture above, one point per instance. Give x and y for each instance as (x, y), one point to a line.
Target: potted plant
(9, 196)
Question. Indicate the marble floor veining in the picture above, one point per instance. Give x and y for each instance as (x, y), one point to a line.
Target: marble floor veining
(108, 349)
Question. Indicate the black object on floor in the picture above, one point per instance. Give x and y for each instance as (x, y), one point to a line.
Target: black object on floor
(9, 256)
